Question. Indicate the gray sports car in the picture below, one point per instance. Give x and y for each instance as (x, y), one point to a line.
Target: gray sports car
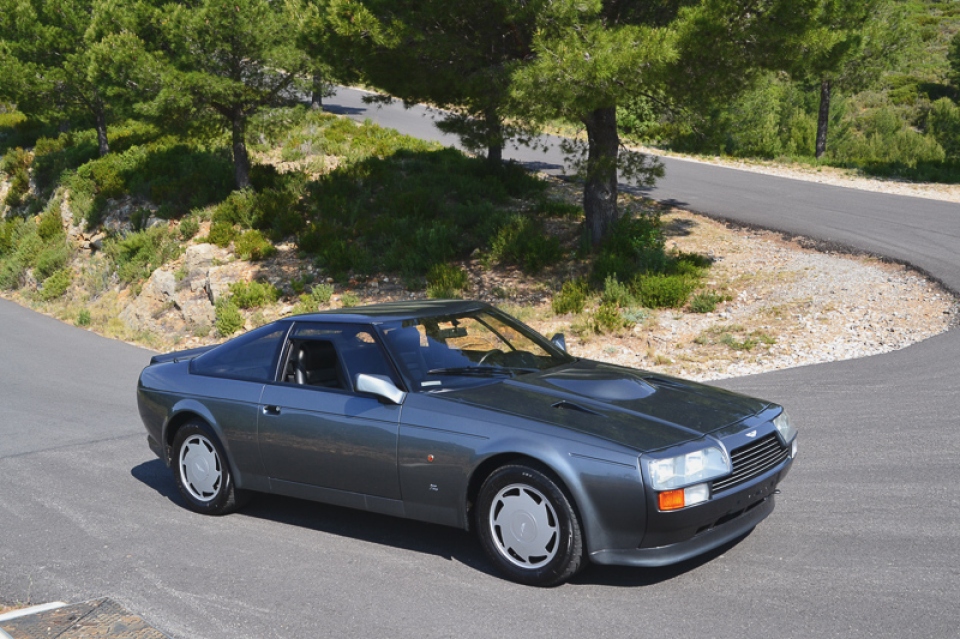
(454, 413)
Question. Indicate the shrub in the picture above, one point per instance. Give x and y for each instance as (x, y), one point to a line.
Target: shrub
(51, 259)
(83, 317)
(139, 254)
(55, 285)
(608, 319)
(16, 164)
(571, 298)
(189, 227)
(446, 281)
(663, 291)
(616, 293)
(50, 225)
(635, 245)
(349, 300)
(228, 319)
(319, 296)
(251, 245)
(705, 302)
(524, 241)
(253, 294)
(222, 234)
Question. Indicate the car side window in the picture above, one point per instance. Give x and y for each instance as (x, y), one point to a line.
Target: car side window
(331, 356)
(251, 357)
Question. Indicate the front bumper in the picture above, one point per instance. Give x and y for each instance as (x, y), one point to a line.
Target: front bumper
(679, 535)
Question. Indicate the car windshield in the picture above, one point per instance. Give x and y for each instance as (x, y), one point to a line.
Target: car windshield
(438, 353)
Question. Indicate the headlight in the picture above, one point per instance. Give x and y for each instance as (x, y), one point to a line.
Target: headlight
(787, 432)
(691, 468)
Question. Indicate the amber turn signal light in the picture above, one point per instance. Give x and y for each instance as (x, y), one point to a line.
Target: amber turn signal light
(671, 499)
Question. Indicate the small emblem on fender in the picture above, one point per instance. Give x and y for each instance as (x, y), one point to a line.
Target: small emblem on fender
(752, 434)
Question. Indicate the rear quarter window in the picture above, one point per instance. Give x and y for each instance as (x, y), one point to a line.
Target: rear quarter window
(251, 357)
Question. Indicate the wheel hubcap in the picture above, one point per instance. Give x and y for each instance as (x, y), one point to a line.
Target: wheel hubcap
(200, 468)
(524, 526)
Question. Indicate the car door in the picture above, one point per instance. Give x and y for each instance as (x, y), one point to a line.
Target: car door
(314, 431)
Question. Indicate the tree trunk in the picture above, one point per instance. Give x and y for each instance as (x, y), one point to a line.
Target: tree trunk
(316, 96)
(241, 161)
(101, 123)
(823, 118)
(600, 190)
(494, 138)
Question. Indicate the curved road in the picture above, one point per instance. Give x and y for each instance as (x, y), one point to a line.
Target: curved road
(865, 541)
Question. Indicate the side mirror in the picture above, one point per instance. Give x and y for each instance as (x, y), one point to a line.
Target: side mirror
(381, 386)
(559, 341)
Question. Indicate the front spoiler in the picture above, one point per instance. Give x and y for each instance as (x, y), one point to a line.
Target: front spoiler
(697, 545)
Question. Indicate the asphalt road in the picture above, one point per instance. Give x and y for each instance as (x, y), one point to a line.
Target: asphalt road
(865, 541)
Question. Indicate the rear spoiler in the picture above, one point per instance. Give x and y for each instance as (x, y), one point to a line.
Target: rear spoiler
(179, 356)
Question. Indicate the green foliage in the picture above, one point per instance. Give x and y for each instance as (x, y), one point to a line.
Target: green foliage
(571, 298)
(253, 294)
(943, 122)
(139, 254)
(608, 319)
(50, 226)
(189, 227)
(222, 233)
(55, 285)
(657, 290)
(349, 300)
(52, 258)
(83, 317)
(274, 209)
(705, 302)
(445, 281)
(406, 211)
(16, 164)
(617, 294)
(251, 245)
(524, 241)
(318, 297)
(228, 319)
(636, 245)
(881, 136)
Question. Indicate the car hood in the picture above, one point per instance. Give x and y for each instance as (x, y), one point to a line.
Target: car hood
(636, 408)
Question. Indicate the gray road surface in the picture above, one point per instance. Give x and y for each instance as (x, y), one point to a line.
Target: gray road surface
(865, 541)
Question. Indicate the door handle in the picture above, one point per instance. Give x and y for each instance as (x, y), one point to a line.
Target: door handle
(271, 410)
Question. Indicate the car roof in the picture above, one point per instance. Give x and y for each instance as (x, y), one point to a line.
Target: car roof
(394, 311)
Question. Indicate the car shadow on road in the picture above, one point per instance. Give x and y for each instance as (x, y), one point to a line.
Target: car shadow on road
(452, 544)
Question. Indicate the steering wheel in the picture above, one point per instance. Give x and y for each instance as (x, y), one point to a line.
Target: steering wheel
(491, 353)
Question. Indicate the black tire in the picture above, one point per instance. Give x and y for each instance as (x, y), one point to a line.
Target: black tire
(202, 473)
(543, 543)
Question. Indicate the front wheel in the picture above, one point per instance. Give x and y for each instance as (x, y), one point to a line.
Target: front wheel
(201, 470)
(528, 526)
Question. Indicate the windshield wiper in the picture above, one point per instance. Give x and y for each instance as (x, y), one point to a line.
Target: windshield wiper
(482, 371)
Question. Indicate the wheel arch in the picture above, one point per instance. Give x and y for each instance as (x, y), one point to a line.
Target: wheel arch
(491, 464)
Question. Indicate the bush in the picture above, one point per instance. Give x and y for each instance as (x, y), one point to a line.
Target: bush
(251, 245)
(319, 296)
(228, 319)
(139, 254)
(608, 319)
(571, 298)
(349, 300)
(222, 234)
(446, 281)
(52, 258)
(50, 225)
(705, 302)
(524, 241)
(664, 291)
(943, 122)
(189, 227)
(617, 294)
(635, 245)
(55, 285)
(253, 294)
(16, 164)
(83, 317)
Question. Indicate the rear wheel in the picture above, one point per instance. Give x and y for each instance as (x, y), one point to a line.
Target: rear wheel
(202, 473)
(528, 526)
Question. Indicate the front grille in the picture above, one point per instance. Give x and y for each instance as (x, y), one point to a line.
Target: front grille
(753, 460)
